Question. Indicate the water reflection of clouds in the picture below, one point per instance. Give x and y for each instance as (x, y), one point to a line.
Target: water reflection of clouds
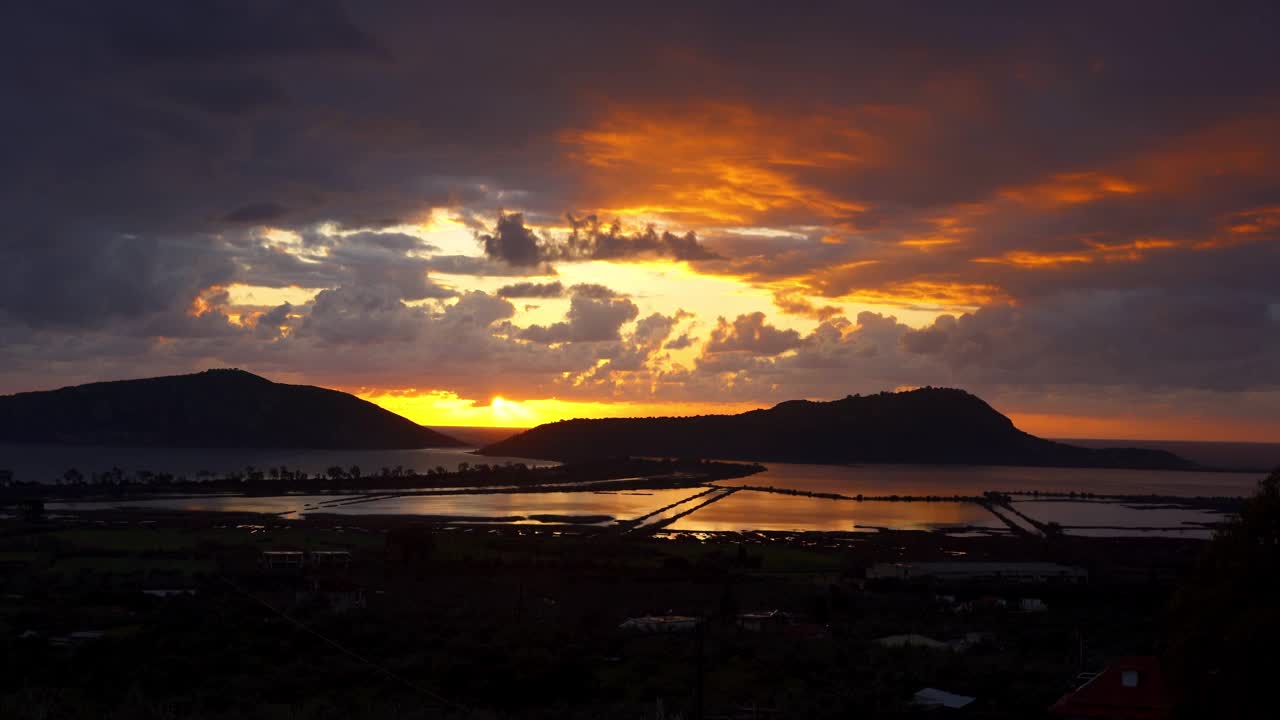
(1116, 515)
(614, 504)
(943, 480)
(753, 510)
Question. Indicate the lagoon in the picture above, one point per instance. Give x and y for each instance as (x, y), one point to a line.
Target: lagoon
(948, 480)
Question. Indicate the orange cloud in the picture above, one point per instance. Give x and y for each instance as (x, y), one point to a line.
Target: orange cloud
(793, 302)
(931, 293)
(1096, 251)
(1237, 147)
(719, 164)
(1032, 259)
(1077, 188)
(208, 300)
(1245, 227)
(1243, 146)
(1256, 221)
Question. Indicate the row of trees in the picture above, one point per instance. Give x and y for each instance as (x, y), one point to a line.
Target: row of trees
(1225, 620)
(117, 476)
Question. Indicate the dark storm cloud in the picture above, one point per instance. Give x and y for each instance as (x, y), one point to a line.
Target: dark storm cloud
(1221, 342)
(513, 242)
(387, 259)
(219, 90)
(144, 143)
(591, 239)
(256, 213)
(234, 30)
(79, 279)
(517, 244)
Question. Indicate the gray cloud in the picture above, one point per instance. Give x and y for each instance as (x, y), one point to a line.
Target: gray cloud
(517, 244)
(685, 340)
(256, 213)
(750, 334)
(70, 281)
(514, 243)
(532, 290)
(593, 290)
(589, 320)
(361, 314)
(794, 304)
(1139, 338)
(483, 267)
(235, 29)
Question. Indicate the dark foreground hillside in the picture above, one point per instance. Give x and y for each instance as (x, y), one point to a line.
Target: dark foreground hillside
(215, 408)
(929, 425)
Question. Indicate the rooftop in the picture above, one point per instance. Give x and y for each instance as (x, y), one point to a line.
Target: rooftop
(1130, 688)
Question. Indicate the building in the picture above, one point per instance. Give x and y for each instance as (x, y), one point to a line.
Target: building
(772, 621)
(282, 559)
(935, 698)
(1130, 688)
(963, 571)
(912, 640)
(329, 558)
(661, 624)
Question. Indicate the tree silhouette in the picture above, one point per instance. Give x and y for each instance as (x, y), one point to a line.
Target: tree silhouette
(1226, 617)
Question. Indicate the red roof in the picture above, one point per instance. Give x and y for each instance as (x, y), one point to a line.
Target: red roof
(1131, 688)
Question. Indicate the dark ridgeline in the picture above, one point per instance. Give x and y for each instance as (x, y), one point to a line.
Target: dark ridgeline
(929, 425)
(215, 408)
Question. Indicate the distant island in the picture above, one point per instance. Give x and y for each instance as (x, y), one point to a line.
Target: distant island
(927, 425)
(213, 409)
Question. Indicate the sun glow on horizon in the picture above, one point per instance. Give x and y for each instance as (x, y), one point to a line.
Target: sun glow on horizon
(440, 408)
(443, 409)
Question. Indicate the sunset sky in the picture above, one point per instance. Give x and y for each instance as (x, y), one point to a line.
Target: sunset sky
(508, 214)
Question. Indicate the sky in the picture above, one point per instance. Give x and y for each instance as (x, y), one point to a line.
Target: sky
(512, 213)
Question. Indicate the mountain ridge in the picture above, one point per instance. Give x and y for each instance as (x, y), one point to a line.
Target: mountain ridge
(926, 425)
(229, 408)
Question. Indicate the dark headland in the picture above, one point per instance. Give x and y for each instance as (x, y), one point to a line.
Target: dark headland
(928, 425)
(215, 408)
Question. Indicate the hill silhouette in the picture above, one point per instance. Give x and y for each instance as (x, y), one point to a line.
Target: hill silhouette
(928, 425)
(215, 408)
